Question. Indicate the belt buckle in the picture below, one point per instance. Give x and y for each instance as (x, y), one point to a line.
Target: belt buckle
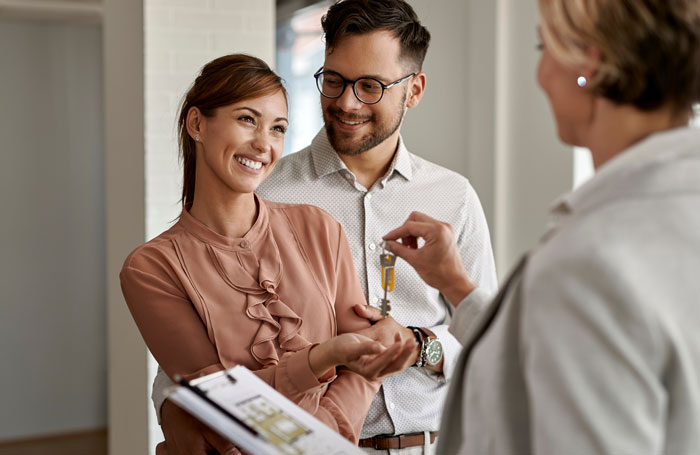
(402, 439)
(376, 439)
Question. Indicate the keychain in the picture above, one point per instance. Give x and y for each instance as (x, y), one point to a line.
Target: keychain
(387, 261)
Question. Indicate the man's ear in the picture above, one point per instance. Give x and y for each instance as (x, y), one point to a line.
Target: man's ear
(193, 123)
(416, 89)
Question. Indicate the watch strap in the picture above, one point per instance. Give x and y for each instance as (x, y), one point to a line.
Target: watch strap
(419, 338)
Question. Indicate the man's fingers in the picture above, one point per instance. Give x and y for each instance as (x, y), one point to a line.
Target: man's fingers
(402, 360)
(406, 253)
(368, 312)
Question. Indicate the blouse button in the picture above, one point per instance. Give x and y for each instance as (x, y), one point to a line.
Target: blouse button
(244, 244)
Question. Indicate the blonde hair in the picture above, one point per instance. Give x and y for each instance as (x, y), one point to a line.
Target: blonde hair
(650, 49)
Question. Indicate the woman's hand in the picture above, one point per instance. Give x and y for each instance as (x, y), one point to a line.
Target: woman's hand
(185, 435)
(361, 355)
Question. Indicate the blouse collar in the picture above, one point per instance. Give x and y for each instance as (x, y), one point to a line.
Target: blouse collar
(206, 235)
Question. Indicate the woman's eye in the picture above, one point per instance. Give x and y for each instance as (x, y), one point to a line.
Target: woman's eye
(280, 129)
(247, 118)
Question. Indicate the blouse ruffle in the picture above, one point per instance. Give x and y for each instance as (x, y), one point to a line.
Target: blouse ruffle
(253, 267)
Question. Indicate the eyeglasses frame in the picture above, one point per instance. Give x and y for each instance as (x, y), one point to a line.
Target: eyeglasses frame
(384, 86)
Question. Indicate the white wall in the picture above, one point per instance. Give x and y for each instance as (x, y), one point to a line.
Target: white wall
(125, 211)
(52, 323)
(483, 115)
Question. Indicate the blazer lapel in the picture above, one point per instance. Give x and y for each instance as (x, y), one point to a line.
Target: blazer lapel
(451, 427)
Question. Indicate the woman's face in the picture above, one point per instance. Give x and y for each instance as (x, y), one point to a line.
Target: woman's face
(572, 106)
(241, 144)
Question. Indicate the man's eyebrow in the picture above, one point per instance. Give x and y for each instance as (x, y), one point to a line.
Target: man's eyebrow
(371, 76)
(258, 113)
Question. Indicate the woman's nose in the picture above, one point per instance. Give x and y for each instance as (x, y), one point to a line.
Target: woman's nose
(261, 142)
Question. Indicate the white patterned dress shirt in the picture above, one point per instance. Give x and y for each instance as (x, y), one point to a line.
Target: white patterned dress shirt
(412, 400)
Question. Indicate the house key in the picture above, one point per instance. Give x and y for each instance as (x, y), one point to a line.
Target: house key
(387, 261)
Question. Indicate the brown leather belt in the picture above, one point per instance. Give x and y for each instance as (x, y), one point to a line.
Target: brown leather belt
(397, 442)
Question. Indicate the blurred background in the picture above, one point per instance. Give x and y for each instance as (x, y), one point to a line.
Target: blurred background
(89, 92)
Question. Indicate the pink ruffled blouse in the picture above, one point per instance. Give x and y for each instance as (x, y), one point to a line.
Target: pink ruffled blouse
(204, 302)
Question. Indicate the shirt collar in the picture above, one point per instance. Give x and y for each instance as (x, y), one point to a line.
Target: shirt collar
(615, 177)
(326, 160)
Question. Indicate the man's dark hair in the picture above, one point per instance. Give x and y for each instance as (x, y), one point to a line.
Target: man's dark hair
(357, 17)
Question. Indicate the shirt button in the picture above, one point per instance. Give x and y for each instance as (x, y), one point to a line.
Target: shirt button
(372, 246)
(375, 299)
(369, 196)
(392, 405)
(244, 244)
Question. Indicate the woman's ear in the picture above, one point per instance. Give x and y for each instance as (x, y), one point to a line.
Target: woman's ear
(589, 70)
(416, 89)
(194, 123)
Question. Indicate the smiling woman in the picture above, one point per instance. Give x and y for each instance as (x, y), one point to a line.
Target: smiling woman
(242, 281)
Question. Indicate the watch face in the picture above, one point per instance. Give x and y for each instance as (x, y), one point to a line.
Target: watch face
(433, 352)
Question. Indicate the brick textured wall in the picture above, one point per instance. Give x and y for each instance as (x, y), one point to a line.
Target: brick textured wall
(180, 37)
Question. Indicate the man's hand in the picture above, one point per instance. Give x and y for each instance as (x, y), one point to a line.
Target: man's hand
(185, 435)
(438, 261)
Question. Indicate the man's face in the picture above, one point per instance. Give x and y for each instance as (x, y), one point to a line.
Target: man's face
(352, 126)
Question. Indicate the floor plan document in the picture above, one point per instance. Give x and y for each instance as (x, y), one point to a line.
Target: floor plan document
(255, 417)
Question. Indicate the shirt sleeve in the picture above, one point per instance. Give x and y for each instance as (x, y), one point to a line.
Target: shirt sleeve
(474, 242)
(591, 356)
(346, 402)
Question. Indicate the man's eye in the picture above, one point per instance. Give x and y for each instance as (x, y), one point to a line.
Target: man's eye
(332, 82)
(370, 86)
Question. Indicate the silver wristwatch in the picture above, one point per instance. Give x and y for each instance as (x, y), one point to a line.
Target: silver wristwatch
(431, 352)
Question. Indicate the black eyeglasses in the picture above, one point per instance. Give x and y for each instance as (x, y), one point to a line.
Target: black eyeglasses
(367, 90)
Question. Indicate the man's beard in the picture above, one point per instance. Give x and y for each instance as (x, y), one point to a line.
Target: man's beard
(368, 141)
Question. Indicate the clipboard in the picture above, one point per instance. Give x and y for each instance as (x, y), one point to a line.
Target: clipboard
(255, 417)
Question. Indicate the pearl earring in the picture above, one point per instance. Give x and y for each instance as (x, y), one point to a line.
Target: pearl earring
(197, 137)
(582, 81)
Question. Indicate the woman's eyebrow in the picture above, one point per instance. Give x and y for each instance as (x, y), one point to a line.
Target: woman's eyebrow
(258, 113)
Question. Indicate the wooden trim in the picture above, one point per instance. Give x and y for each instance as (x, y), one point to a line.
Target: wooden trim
(61, 437)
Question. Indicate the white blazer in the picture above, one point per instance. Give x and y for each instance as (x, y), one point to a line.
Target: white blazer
(593, 344)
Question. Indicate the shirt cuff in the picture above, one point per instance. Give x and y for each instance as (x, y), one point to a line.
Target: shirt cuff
(160, 384)
(467, 311)
(296, 371)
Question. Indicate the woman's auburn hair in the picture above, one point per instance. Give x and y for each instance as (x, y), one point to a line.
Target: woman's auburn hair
(224, 81)
(650, 49)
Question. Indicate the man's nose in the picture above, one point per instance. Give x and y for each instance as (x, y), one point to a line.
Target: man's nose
(348, 101)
